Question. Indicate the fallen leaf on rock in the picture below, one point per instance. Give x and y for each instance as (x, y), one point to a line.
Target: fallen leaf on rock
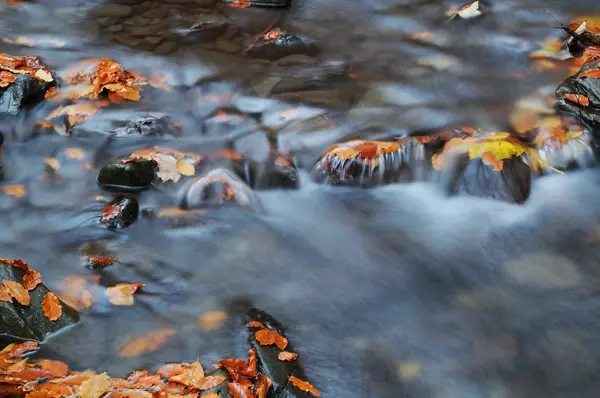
(17, 291)
(31, 279)
(7, 78)
(16, 350)
(184, 168)
(270, 337)
(237, 390)
(31, 66)
(591, 73)
(5, 295)
(16, 190)
(579, 99)
(151, 341)
(255, 324)
(212, 320)
(262, 386)
(122, 293)
(287, 356)
(52, 307)
(239, 367)
(101, 261)
(95, 386)
(304, 386)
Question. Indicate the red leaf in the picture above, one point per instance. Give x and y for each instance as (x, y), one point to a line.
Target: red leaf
(579, 99)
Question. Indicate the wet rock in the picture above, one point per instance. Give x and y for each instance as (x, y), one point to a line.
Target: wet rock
(203, 30)
(578, 41)
(166, 47)
(279, 171)
(474, 177)
(138, 174)
(149, 126)
(279, 43)
(267, 359)
(589, 87)
(112, 10)
(217, 188)
(23, 93)
(121, 212)
(19, 322)
(317, 77)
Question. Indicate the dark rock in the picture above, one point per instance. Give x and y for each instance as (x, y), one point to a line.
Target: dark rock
(149, 126)
(278, 43)
(18, 322)
(589, 87)
(138, 174)
(217, 188)
(267, 359)
(473, 177)
(121, 212)
(265, 3)
(278, 172)
(324, 77)
(23, 93)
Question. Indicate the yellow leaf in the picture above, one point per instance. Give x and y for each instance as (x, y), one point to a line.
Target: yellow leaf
(75, 153)
(95, 386)
(499, 148)
(185, 168)
(16, 190)
(43, 75)
(53, 163)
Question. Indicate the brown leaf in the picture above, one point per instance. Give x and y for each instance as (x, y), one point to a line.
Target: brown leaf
(52, 307)
(579, 99)
(15, 350)
(16, 190)
(31, 279)
(262, 386)
(270, 337)
(122, 293)
(170, 369)
(237, 390)
(237, 367)
(304, 386)
(191, 375)
(287, 356)
(7, 78)
(5, 295)
(55, 368)
(17, 291)
(151, 341)
(95, 386)
(212, 320)
(592, 73)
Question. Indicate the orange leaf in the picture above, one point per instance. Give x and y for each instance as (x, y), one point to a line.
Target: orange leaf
(593, 73)
(255, 324)
(95, 386)
(490, 159)
(191, 375)
(270, 337)
(262, 386)
(4, 294)
(237, 367)
(304, 386)
(75, 153)
(101, 261)
(17, 291)
(6, 78)
(212, 320)
(122, 293)
(151, 341)
(15, 350)
(55, 368)
(240, 4)
(52, 307)
(237, 390)
(212, 394)
(31, 279)
(287, 356)
(579, 99)
(16, 190)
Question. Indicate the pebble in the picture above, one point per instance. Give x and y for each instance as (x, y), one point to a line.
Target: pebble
(112, 10)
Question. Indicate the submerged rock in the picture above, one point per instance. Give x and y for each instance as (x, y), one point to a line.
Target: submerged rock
(278, 172)
(217, 188)
(27, 322)
(23, 93)
(137, 174)
(149, 126)
(121, 212)
(278, 43)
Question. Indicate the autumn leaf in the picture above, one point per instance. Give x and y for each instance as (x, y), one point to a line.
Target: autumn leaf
(190, 376)
(212, 394)
(31, 279)
(17, 291)
(16, 190)
(287, 356)
(151, 341)
(15, 350)
(122, 293)
(52, 307)
(75, 153)
(75, 292)
(304, 386)
(5, 295)
(270, 337)
(7, 78)
(237, 390)
(55, 368)
(255, 324)
(262, 386)
(579, 99)
(240, 367)
(493, 150)
(95, 386)
(591, 73)
(170, 369)
(185, 168)
(212, 320)
(471, 10)
(240, 4)
(167, 168)
(53, 163)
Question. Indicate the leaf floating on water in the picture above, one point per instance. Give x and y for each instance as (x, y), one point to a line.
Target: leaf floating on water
(240, 4)
(151, 341)
(31, 279)
(185, 168)
(101, 261)
(212, 320)
(17, 291)
(579, 99)
(122, 294)
(304, 386)
(287, 356)
(53, 163)
(95, 386)
(75, 153)
(409, 370)
(16, 190)
(52, 307)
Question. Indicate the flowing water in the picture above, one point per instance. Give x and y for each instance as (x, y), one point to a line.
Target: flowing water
(482, 298)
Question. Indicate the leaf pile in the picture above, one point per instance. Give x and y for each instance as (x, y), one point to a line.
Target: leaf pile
(10, 66)
(10, 290)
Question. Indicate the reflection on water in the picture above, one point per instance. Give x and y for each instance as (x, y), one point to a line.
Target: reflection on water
(488, 298)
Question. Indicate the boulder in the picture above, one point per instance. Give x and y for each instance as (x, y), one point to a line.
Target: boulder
(579, 96)
(133, 175)
(23, 93)
(279, 43)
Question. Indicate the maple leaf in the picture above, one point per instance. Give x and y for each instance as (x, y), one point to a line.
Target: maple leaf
(287, 356)
(17, 291)
(95, 386)
(304, 386)
(52, 307)
(167, 168)
(31, 279)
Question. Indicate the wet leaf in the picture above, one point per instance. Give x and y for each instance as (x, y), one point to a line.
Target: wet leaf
(255, 324)
(5, 295)
(75, 153)
(239, 367)
(75, 292)
(240, 4)
(304, 386)
(579, 99)
(212, 320)
(167, 168)
(122, 293)
(15, 190)
(591, 73)
(31, 279)
(151, 341)
(270, 337)
(237, 390)
(16, 350)
(17, 291)
(7, 78)
(185, 168)
(262, 386)
(287, 356)
(52, 307)
(170, 369)
(55, 368)
(212, 394)
(95, 386)
(51, 162)
(190, 376)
